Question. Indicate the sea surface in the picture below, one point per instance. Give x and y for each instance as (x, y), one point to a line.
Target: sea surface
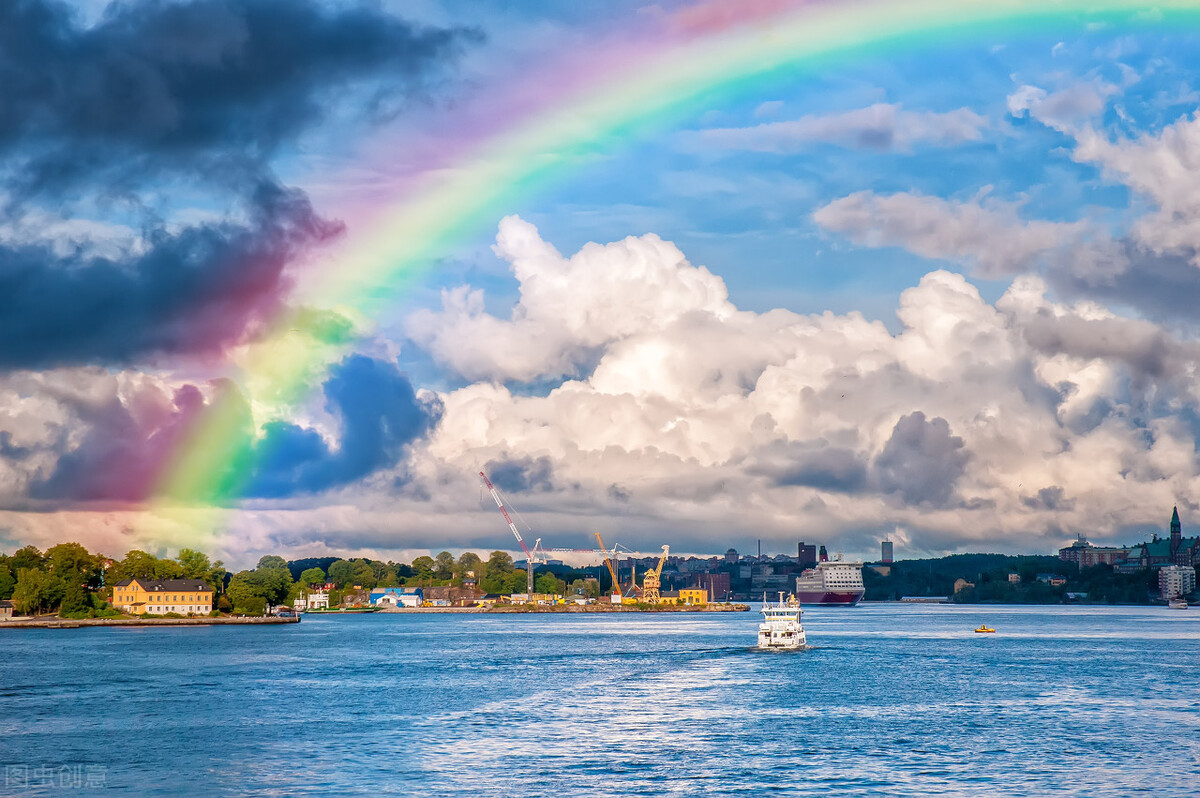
(889, 699)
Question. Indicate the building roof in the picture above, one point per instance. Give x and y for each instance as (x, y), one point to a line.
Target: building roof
(6, 604)
(173, 585)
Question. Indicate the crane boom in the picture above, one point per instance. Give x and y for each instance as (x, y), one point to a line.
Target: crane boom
(608, 562)
(500, 503)
(528, 554)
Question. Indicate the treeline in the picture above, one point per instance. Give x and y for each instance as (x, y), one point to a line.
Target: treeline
(988, 573)
(75, 583)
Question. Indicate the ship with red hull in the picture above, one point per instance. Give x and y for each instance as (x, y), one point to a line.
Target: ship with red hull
(831, 583)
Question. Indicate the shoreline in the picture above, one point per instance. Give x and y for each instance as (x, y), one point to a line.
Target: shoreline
(518, 609)
(67, 623)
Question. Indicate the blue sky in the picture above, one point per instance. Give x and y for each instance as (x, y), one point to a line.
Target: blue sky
(942, 293)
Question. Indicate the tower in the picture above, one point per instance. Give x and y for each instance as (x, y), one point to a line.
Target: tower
(1176, 533)
(885, 553)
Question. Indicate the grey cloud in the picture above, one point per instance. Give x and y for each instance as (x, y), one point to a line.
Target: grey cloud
(522, 474)
(921, 462)
(213, 86)
(1051, 498)
(813, 464)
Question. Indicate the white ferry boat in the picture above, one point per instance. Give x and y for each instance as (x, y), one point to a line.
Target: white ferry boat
(834, 582)
(1177, 604)
(781, 628)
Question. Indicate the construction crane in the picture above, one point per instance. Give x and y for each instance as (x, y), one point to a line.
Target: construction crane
(530, 556)
(650, 582)
(612, 571)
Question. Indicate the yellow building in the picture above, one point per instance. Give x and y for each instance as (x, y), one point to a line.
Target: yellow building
(160, 596)
(693, 595)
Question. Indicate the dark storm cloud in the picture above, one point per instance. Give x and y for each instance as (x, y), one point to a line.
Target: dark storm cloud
(208, 84)
(199, 289)
(128, 443)
(921, 462)
(522, 474)
(157, 94)
(813, 464)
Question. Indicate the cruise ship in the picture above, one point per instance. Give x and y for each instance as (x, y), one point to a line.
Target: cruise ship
(834, 582)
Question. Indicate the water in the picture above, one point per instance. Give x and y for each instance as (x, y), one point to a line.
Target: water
(892, 699)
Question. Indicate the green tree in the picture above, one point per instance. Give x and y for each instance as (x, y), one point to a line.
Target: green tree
(137, 564)
(549, 583)
(468, 562)
(312, 576)
(7, 581)
(37, 591)
(273, 578)
(495, 578)
(423, 569)
(443, 566)
(76, 601)
(26, 557)
(515, 582)
(363, 574)
(73, 557)
(247, 593)
(341, 572)
(271, 561)
(193, 564)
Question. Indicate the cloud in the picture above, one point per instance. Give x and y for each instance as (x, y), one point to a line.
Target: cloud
(153, 106)
(209, 86)
(112, 438)
(717, 420)
(1051, 498)
(878, 127)
(379, 413)
(568, 307)
(921, 461)
(196, 290)
(992, 238)
(1066, 110)
(522, 474)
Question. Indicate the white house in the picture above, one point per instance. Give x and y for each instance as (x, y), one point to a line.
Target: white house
(318, 600)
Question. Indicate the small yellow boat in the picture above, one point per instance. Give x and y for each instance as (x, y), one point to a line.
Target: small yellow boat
(985, 630)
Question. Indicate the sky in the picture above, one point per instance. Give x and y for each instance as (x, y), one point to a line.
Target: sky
(283, 276)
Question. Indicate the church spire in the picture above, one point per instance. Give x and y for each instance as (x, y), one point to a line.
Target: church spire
(1176, 532)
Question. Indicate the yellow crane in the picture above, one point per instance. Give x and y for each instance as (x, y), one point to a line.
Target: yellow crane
(616, 586)
(650, 582)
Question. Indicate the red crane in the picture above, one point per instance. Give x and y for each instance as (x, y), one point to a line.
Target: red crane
(529, 555)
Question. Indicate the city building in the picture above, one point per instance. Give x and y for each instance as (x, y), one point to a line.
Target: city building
(1054, 580)
(885, 552)
(6, 610)
(717, 585)
(731, 556)
(693, 596)
(1014, 579)
(1085, 555)
(160, 596)
(806, 554)
(962, 584)
(1172, 550)
(1176, 580)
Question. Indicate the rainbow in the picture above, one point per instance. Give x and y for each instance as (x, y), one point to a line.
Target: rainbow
(519, 135)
